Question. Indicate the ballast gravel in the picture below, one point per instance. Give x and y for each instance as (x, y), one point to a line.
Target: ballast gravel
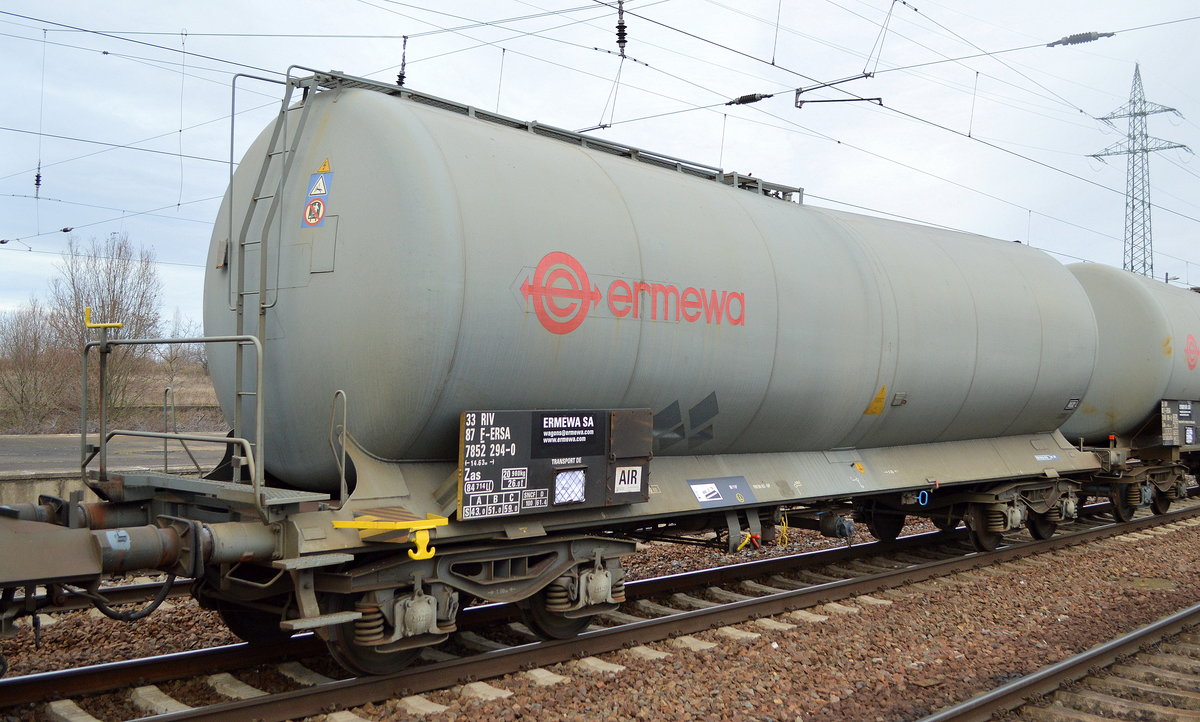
(936, 643)
(929, 649)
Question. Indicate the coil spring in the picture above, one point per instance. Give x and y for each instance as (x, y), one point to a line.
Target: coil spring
(1173, 492)
(369, 627)
(1133, 494)
(618, 589)
(557, 597)
(995, 520)
(1054, 514)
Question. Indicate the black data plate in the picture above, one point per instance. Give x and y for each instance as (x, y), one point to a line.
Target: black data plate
(531, 462)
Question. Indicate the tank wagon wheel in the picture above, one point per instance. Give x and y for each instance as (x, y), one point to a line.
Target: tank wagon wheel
(550, 625)
(1040, 526)
(251, 625)
(986, 541)
(885, 527)
(1122, 510)
(363, 659)
(1160, 503)
(981, 539)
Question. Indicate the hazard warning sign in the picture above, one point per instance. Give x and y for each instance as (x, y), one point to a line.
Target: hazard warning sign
(315, 208)
(314, 213)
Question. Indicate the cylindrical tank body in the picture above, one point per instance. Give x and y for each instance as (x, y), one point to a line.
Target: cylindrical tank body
(1148, 351)
(461, 264)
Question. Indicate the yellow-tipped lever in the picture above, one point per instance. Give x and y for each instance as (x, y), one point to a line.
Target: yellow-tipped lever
(87, 320)
(419, 527)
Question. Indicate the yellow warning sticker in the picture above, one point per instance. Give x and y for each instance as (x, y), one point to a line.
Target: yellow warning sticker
(875, 408)
(324, 167)
(859, 467)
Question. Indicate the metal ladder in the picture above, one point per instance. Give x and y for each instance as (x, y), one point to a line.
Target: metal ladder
(280, 152)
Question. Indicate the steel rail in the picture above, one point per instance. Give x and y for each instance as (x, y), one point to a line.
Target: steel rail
(100, 678)
(1050, 678)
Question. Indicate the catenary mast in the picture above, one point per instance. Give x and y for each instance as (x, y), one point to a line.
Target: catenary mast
(1139, 246)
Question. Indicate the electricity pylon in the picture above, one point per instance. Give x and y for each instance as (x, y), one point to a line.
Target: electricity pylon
(1139, 245)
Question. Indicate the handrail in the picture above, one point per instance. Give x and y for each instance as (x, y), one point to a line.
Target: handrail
(247, 447)
(233, 164)
(251, 448)
(173, 427)
(340, 456)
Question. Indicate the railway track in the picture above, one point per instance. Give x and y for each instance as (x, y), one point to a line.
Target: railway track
(673, 607)
(1150, 673)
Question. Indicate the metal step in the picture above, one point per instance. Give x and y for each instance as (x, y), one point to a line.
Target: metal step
(227, 491)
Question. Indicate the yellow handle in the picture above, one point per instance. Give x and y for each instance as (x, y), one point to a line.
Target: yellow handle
(87, 320)
(420, 529)
(423, 550)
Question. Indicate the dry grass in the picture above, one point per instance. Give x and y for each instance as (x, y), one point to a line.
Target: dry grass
(195, 403)
(192, 388)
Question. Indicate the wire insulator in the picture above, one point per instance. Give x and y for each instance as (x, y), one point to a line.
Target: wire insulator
(403, 62)
(751, 98)
(621, 36)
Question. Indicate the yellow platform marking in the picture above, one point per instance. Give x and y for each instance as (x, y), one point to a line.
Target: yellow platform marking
(876, 406)
(374, 525)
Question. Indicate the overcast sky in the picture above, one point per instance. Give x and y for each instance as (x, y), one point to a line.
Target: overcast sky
(997, 144)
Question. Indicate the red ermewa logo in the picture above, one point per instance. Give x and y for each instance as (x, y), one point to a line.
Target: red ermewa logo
(1192, 351)
(562, 295)
(560, 292)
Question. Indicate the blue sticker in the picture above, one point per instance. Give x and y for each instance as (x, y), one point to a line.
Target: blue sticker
(316, 206)
(722, 491)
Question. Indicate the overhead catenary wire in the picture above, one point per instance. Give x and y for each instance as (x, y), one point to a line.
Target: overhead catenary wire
(140, 42)
(359, 36)
(840, 142)
(877, 47)
(985, 53)
(657, 114)
(778, 15)
(919, 118)
(123, 216)
(112, 147)
(125, 146)
(124, 211)
(37, 178)
(103, 258)
(182, 95)
(940, 81)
